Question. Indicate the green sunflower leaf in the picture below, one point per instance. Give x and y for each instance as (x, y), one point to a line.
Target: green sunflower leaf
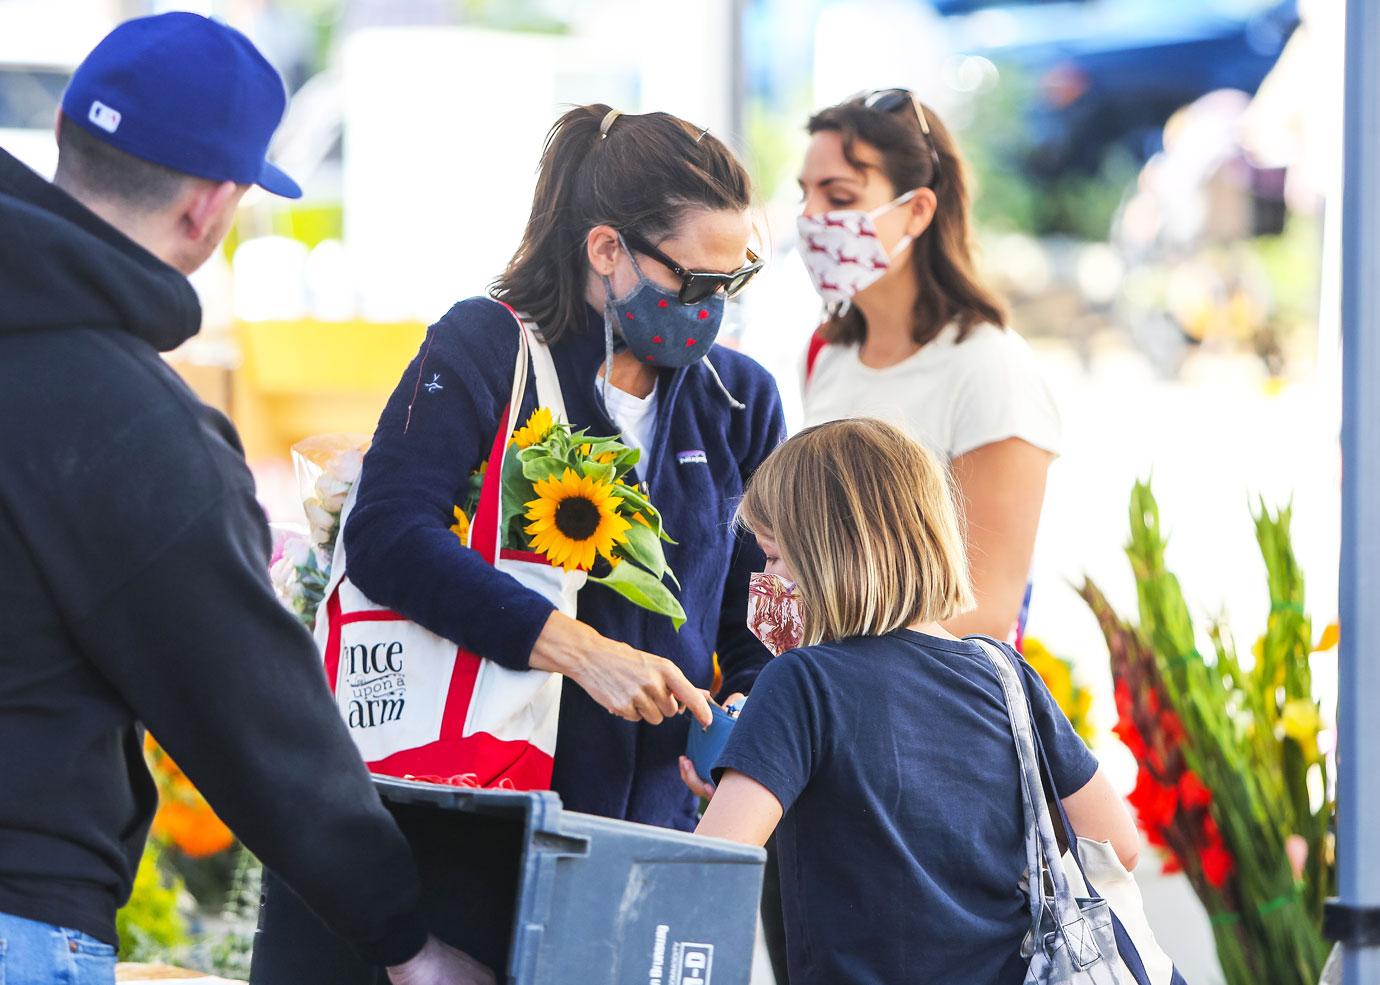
(644, 547)
(600, 473)
(536, 467)
(516, 490)
(643, 589)
(634, 498)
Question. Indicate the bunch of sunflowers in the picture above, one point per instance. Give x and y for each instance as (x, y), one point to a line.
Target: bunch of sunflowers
(565, 496)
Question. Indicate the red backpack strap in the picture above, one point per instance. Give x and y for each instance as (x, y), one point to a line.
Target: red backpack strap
(817, 344)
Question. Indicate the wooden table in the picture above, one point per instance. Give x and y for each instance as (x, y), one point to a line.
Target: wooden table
(134, 974)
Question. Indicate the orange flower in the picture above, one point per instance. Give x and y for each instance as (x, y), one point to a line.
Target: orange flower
(184, 818)
(194, 829)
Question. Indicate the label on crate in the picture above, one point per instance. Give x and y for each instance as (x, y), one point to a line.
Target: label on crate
(679, 962)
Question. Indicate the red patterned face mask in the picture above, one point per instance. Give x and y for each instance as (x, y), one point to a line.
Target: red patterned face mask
(774, 613)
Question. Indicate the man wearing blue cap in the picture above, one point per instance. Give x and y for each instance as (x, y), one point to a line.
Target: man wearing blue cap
(133, 555)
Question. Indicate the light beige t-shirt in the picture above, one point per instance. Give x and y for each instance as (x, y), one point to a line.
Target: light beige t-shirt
(950, 396)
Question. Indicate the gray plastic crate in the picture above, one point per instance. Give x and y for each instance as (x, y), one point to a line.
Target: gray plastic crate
(588, 901)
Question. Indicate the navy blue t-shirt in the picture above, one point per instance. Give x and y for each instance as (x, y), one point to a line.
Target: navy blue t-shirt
(901, 847)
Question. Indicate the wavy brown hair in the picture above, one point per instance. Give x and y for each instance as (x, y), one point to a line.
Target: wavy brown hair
(942, 256)
(644, 177)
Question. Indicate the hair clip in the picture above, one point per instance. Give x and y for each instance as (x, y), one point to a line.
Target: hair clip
(703, 133)
(607, 124)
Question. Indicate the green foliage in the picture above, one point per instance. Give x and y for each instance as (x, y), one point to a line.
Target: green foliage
(1249, 733)
(1291, 266)
(228, 953)
(775, 143)
(150, 925)
(643, 589)
(1008, 199)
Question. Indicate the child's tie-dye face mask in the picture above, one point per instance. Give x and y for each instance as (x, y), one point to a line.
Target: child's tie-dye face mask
(773, 613)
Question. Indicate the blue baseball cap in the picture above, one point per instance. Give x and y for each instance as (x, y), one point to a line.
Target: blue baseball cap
(186, 92)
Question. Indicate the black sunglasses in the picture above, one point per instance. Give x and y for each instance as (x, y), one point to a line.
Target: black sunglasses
(696, 285)
(891, 100)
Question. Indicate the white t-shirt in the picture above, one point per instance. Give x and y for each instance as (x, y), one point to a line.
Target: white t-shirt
(950, 396)
(636, 420)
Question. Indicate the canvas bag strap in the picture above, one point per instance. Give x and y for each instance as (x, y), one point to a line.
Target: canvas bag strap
(485, 531)
(1046, 850)
(486, 534)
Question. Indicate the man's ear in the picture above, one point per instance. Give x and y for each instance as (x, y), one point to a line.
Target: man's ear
(922, 209)
(203, 203)
(602, 249)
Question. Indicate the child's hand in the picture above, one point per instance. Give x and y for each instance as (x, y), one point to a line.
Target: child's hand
(691, 779)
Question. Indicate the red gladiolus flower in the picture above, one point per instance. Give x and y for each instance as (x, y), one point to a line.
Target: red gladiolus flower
(1192, 793)
(1210, 830)
(1155, 803)
(1217, 864)
(1124, 705)
(1172, 728)
(1126, 731)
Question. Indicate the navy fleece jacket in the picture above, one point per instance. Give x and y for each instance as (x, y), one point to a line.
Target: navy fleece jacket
(440, 424)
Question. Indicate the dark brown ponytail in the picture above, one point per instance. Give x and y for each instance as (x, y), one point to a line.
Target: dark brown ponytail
(950, 289)
(644, 176)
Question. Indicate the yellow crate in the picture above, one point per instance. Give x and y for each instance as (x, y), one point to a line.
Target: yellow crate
(306, 377)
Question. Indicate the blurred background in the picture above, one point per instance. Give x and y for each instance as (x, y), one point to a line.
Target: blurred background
(1156, 185)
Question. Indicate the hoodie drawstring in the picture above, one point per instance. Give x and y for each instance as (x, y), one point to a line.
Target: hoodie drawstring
(733, 401)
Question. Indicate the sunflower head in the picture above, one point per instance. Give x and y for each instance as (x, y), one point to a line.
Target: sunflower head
(574, 518)
(536, 429)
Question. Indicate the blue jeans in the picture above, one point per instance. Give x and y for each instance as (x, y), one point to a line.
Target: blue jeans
(33, 953)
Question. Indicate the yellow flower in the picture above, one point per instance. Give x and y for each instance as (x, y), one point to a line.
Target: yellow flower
(606, 458)
(1074, 701)
(536, 429)
(573, 518)
(639, 518)
(1329, 639)
(1301, 722)
(461, 526)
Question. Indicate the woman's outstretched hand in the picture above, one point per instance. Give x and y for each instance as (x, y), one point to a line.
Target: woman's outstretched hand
(629, 683)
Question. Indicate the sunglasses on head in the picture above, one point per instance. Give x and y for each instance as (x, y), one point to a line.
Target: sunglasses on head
(892, 100)
(696, 285)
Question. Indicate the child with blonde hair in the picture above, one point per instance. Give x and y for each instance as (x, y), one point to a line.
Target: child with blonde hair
(880, 751)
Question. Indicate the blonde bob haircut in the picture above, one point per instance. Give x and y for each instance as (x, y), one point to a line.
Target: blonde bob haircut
(865, 520)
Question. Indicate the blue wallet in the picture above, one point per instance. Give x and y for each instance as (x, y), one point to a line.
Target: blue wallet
(707, 744)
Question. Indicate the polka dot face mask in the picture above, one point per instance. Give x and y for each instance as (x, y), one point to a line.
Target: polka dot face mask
(842, 252)
(657, 328)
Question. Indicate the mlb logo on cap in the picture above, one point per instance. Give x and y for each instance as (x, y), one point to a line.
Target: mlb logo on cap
(186, 92)
(104, 117)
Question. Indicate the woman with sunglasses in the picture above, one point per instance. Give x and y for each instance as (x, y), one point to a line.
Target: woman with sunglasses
(637, 236)
(913, 336)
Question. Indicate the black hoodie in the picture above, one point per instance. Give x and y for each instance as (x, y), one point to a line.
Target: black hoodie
(134, 592)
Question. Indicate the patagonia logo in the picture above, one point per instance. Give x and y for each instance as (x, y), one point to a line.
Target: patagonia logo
(692, 458)
(104, 117)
